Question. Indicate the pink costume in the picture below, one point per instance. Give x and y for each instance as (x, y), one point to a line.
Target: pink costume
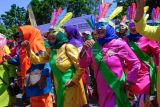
(116, 52)
(151, 48)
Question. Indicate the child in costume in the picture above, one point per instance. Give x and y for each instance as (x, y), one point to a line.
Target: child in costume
(37, 80)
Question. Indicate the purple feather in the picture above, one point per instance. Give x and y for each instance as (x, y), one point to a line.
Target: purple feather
(129, 12)
(153, 14)
(53, 15)
(100, 9)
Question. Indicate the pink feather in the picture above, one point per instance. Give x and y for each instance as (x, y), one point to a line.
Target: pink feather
(57, 14)
(53, 16)
(104, 10)
(123, 19)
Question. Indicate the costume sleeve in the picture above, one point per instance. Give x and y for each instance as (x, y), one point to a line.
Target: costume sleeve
(41, 59)
(73, 54)
(47, 70)
(151, 32)
(85, 60)
(132, 62)
(15, 60)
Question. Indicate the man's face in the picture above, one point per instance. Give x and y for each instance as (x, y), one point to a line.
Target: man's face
(51, 38)
(101, 33)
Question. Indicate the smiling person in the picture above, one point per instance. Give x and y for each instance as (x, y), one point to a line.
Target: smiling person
(107, 55)
(63, 58)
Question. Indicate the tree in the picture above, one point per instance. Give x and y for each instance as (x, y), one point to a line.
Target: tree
(7, 32)
(43, 8)
(15, 17)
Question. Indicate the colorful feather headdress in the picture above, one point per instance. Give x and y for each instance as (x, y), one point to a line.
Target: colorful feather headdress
(132, 11)
(59, 18)
(106, 13)
(156, 15)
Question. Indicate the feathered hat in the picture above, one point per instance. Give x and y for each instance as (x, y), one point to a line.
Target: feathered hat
(106, 13)
(132, 11)
(59, 18)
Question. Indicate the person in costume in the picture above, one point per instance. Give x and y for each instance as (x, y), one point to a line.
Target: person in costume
(37, 79)
(122, 31)
(63, 58)
(146, 50)
(74, 36)
(107, 55)
(7, 74)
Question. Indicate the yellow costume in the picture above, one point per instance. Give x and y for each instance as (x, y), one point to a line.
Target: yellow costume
(66, 56)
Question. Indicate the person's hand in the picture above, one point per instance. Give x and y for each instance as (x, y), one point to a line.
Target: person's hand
(42, 82)
(69, 83)
(126, 85)
(139, 10)
(87, 44)
(25, 44)
(6, 58)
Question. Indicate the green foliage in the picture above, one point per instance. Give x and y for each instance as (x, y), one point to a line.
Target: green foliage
(12, 19)
(7, 32)
(43, 8)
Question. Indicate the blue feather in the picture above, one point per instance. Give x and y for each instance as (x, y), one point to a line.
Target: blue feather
(111, 9)
(159, 16)
(61, 16)
(92, 19)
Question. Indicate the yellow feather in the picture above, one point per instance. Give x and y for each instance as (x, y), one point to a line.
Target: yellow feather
(147, 16)
(115, 12)
(66, 18)
(146, 8)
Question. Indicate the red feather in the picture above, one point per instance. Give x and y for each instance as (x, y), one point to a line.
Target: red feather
(157, 12)
(104, 10)
(133, 10)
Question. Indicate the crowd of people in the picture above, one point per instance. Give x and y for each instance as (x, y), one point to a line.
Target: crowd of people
(67, 68)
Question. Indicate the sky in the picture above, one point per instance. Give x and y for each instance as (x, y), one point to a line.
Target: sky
(5, 5)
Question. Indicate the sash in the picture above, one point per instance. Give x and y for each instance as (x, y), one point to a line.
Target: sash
(112, 80)
(148, 60)
(61, 78)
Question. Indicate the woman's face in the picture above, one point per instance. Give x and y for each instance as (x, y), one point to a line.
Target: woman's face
(101, 33)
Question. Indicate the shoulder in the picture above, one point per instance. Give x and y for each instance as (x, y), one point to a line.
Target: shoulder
(119, 42)
(71, 47)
